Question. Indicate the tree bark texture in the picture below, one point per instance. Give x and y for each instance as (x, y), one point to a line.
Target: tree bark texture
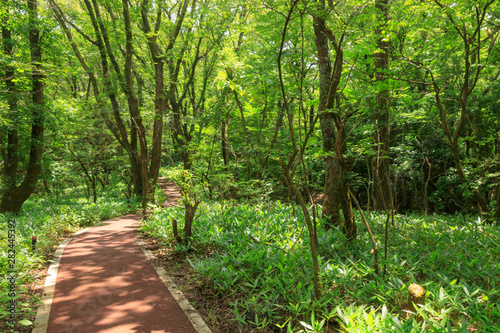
(333, 128)
(331, 202)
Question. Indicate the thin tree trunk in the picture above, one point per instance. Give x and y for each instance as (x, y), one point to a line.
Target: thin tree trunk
(137, 129)
(381, 167)
(160, 101)
(279, 123)
(344, 194)
(117, 126)
(426, 187)
(259, 138)
(190, 210)
(245, 130)
(88, 173)
(180, 133)
(313, 238)
(47, 186)
(225, 142)
(374, 243)
(496, 195)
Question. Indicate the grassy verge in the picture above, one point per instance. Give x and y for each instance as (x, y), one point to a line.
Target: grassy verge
(49, 222)
(258, 260)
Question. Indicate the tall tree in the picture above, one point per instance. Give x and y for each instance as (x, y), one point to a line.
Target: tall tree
(158, 58)
(382, 198)
(333, 129)
(127, 137)
(468, 29)
(123, 83)
(15, 195)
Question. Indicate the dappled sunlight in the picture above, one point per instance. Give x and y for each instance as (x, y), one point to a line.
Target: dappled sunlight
(105, 284)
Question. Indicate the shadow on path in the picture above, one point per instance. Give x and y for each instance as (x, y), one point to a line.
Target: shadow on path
(106, 284)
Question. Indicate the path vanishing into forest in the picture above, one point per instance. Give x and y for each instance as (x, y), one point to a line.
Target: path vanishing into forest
(105, 283)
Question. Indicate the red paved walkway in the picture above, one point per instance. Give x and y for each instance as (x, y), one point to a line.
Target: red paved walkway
(106, 284)
(171, 192)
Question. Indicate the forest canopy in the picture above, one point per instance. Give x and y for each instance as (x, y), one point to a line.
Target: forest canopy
(396, 101)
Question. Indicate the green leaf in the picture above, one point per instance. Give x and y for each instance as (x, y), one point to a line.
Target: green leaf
(307, 326)
(26, 322)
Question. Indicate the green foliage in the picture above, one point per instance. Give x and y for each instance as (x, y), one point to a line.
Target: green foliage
(221, 81)
(260, 260)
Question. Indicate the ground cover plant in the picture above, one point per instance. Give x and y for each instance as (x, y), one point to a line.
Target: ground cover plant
(260, 253)
(49, 221)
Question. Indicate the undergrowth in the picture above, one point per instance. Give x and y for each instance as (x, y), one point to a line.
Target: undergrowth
(260, 254)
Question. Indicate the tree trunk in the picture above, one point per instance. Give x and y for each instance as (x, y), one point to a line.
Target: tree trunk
(190, 210)
(245, 130)
(332, 128)
(426, 186)
(160, 101)
(311, 224)
(137, 130)
(128, 138)
(497, 199)
(14, 197)
(88, 171)
(279, 123)
(416, 300)
(9, 154)
(47, 186)
(94, 189)
(225, 142)
(344, 193)
(496, 193)
(381, 164)
(331, 202)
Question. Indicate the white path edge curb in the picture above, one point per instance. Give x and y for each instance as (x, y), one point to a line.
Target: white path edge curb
(199, 325)
(42, 315)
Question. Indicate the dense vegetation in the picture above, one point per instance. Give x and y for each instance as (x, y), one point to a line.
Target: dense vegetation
(290, 127)
(260, 263)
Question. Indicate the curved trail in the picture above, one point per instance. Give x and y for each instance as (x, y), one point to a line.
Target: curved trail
(171, 191)
(106, 284)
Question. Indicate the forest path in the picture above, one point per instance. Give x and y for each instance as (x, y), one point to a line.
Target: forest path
(171, 191)
(106, 284)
